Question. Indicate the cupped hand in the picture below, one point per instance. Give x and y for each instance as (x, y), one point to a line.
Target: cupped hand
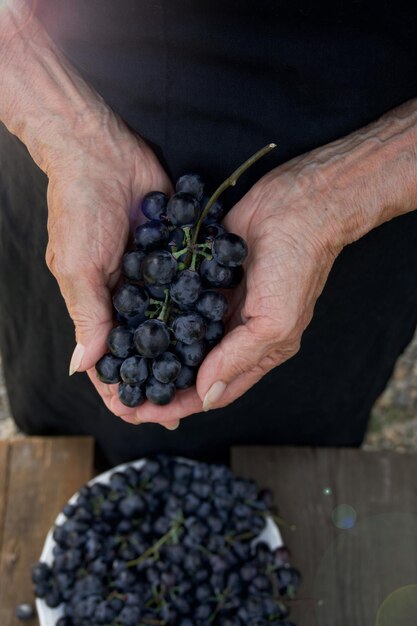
(94, 191)
(291, 251)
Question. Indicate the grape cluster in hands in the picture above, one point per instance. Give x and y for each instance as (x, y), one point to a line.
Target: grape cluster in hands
(170, 543)
(169, 307)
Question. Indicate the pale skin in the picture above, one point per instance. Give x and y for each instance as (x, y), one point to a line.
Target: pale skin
(296, 219)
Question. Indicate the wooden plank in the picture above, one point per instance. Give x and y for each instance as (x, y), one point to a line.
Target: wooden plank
(4, 477)
(361, 575)
(43, 472)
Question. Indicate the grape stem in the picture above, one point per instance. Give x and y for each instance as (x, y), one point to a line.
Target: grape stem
(230, 182)
(164, 314)
(171, 533)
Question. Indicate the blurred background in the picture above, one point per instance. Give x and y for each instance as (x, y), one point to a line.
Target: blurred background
(393, 424)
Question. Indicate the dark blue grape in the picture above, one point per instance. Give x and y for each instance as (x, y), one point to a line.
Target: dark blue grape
(186, 288)
(229, 250)
(191, 354)
(212, 305)
(131, 264)
(186, 377)
(214, 332)
(108, 369)
(189, 327)
(104, 613)
(134, 370)
(159, 267)
(41, 572)
(159, 393)
(129, 616)
(151, 235)
(130, 300)
(151, 338)
(191, 183)
(288, 579)
(166, 367)
(215, 275)
(154, 204)
(183, 209)
(24, 611)
(120, 342)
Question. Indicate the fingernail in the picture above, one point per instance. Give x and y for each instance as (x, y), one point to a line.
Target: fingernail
(173, 425)
(213, 395)
(77, 357)
(138, 421)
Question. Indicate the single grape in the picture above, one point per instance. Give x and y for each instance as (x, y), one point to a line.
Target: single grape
(185, 288)
(130, 300)
(212, 305)
(189, 327)
(159, 393)
(41, 572)
(108, 369)
(214, 332)
(191, 354)
(154, 204)
(229, 250)
(166, 367)
(191, 183)
(186, 377)
(151, 338)
(183, 209)
(215, 275)
(159, 268)
(131, 264)
(120, 342)
(134, 370)
(24, 611)
(151, 235)
(130, 395)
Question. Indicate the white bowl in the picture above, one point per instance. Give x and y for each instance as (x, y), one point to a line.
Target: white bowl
(47, 616)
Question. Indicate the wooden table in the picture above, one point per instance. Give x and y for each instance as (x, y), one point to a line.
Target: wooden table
(355, 514)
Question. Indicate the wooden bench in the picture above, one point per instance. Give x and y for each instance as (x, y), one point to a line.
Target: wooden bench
(354, 512)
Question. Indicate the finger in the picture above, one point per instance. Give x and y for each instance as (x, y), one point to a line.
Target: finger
(240, 352)
(89, 305)
(242, 384)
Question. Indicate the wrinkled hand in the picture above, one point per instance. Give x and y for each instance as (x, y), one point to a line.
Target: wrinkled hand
(93, 197)
(291, 251)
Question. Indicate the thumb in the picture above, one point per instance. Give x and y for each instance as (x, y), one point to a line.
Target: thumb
(236, 358)
(89, 306)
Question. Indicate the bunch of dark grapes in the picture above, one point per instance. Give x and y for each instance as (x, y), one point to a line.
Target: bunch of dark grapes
(169, 307)
(170, 543)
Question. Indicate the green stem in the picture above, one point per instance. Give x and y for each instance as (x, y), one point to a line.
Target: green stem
(193, 261)
(179, 253)
(247, 535)
(164, 314)
(230, 182)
